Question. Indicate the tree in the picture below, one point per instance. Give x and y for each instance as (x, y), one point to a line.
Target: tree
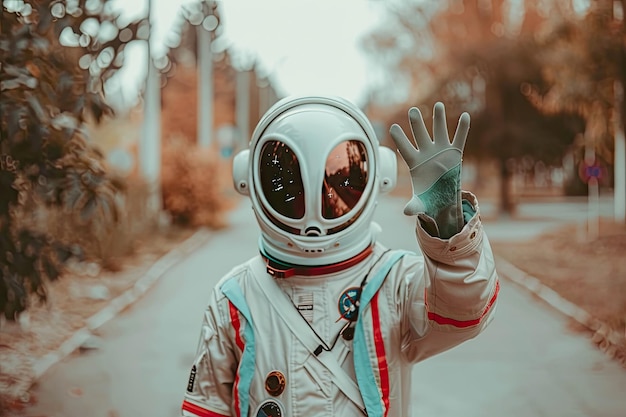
(509, 128)
(481, 56)
(56, 56)
(584, 65)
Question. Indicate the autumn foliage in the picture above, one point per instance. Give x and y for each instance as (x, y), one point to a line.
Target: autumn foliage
(49, 89)
(193, 184)
(194, 180)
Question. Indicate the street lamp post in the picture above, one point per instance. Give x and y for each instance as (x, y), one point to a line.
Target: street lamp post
(205, 75)
(619, 166)
(205, 87)
(619, 186)
(242, 105)
(150, 141)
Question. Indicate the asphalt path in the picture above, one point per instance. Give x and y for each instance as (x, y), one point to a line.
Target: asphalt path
(527, 363)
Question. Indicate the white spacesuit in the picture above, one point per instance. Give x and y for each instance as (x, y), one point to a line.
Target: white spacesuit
(326, 321)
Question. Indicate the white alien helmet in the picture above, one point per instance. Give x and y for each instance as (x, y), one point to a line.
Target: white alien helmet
(313, 172)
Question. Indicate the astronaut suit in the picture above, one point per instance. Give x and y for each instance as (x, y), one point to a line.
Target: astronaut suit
(325, 320)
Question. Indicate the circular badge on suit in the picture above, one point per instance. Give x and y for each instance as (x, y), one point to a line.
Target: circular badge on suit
(348, 304)
(270, 408)
(275, 383)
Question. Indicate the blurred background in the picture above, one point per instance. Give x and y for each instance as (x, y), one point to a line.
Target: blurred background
(120, 119)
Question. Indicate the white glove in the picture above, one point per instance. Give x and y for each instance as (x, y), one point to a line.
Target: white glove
(435, 167)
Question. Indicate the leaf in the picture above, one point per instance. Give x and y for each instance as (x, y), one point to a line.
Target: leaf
(33, 69)
(109, 206)
(72, 191)
(65, 121)
(35, 105)
(10, 84)
(65, 83)
(89, 209)
(79, 104)
(50, 269)
(97, 110)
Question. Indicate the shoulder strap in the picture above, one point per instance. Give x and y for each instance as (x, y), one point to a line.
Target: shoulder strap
(363, 367)
(285, 309)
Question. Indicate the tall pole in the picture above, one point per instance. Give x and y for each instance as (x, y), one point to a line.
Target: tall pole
(619, 166)
(242, 105)
(205, 87)
(619, 162)
(264, 96)
(593, 193)
(150, 142)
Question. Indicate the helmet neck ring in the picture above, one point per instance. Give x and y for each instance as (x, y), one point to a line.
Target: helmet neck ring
(280, 269)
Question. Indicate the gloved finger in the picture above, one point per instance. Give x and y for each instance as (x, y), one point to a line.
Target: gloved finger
(414, 206)
(462, 129)
(418, 127)
(440, 126)
(406, 148)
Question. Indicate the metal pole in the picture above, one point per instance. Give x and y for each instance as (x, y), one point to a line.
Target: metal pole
(205, 87)
(593, 217)
(264, 97)
(619, 161)
(619, 165)
(150, 142)
(593, 192)
(242, 106)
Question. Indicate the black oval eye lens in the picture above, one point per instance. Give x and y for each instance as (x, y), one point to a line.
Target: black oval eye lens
(345, 178)
(281, 181)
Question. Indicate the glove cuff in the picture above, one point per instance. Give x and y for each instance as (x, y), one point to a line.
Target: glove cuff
(442, 203)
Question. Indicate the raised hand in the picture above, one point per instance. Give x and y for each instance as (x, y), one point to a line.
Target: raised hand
(435, 167)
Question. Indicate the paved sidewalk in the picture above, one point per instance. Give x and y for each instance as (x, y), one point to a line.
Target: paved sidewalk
(527, 363)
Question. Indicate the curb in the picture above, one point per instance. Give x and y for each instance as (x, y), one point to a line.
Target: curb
(607, 340)
(154, 273)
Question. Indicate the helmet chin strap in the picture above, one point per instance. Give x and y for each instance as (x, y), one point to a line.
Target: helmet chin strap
(280, 269)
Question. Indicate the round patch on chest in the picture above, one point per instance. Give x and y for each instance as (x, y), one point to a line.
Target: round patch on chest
(275, 383)
(349, 304)
(270, 408)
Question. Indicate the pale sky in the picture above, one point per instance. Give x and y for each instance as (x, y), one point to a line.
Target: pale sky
(308, 46)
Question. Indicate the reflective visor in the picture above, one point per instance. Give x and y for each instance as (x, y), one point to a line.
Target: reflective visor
(345, 178)
(281, 181)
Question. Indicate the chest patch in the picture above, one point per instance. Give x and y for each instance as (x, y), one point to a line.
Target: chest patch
(348, 304)
(275, 383)
(304, 304)
(270, 408)
(192, 379)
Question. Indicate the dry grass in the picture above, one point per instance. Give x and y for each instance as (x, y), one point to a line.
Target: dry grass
(591, 275)
(117, 255)
(68, 309)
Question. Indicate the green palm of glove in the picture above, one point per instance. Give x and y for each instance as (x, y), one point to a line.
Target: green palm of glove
(435, 167)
